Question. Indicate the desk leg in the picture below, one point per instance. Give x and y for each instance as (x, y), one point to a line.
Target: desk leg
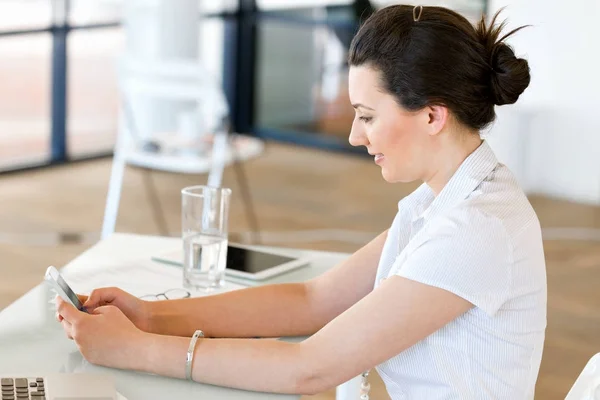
(349, 390)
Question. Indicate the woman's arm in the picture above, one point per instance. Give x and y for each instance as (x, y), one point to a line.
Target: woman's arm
(377, 327)
(381, 325)
(295, 309)
(392, 318)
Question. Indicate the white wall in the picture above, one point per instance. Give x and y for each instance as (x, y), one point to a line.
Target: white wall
(557, 149)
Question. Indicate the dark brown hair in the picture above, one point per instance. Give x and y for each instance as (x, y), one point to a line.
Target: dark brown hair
(441, 59)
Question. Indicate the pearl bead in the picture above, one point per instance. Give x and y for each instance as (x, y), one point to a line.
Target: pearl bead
(365, 386)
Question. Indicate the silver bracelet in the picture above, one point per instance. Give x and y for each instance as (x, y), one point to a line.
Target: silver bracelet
(190, 354)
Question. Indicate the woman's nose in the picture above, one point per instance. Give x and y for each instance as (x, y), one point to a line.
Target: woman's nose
(357, 136)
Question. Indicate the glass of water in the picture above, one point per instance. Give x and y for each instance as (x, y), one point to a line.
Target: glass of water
(205, 213)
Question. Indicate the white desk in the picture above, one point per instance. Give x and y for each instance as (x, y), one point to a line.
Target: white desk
(33, 343)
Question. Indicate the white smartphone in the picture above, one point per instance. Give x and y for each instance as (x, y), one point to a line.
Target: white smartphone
(55, 279)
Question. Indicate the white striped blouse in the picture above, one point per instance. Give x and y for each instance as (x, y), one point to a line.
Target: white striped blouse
(480, 239)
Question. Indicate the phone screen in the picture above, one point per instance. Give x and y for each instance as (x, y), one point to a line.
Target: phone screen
(68, 291)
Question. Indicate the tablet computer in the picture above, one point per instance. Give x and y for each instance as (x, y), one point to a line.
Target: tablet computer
(246, 262)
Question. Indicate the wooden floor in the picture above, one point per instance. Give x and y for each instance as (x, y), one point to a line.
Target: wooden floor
(43, 212)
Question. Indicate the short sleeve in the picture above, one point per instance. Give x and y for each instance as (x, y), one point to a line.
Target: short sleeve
(469, 255)
(396, 240)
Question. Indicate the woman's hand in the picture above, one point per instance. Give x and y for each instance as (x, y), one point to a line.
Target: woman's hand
(138, 311)
(105, 336)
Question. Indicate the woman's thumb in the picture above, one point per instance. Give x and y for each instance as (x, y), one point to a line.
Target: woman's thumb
(100, 297)
(82, 298)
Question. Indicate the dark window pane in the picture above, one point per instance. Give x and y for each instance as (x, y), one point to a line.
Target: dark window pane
(302, 77)
(302, 82)
(24, 100)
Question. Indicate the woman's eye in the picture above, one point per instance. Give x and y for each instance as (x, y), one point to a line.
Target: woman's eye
(365, 119)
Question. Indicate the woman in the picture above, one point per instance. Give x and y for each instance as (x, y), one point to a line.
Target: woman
(449, 303)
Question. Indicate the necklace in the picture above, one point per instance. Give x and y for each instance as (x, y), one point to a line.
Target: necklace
(365, 386)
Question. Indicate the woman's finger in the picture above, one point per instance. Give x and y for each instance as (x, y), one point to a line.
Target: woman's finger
(68, 328)
(68, 311)
(100, 297)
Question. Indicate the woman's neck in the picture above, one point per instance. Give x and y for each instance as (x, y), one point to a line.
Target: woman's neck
(447, 161)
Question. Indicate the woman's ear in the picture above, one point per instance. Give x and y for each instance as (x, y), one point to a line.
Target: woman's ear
(437, 118)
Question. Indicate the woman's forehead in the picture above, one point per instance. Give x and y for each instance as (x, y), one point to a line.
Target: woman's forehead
(363, 81)
(364, 86)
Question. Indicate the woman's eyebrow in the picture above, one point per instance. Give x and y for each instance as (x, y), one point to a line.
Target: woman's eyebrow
(357, 105)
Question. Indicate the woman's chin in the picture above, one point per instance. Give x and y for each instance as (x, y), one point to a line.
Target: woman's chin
(388, 176)
(391, 177)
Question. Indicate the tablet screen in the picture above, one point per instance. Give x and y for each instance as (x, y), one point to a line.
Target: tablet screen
(253, 261)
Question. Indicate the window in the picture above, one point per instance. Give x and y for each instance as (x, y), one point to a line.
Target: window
(24, 14)
(284, 4)
(24, 100)
(92, 91)
(86, 12)
(301, 78)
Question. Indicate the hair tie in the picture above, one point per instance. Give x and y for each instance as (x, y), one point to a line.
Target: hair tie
(416, 17)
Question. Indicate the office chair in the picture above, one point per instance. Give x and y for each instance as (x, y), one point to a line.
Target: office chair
(174, 80)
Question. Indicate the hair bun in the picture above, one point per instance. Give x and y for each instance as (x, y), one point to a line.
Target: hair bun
(510, 75)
